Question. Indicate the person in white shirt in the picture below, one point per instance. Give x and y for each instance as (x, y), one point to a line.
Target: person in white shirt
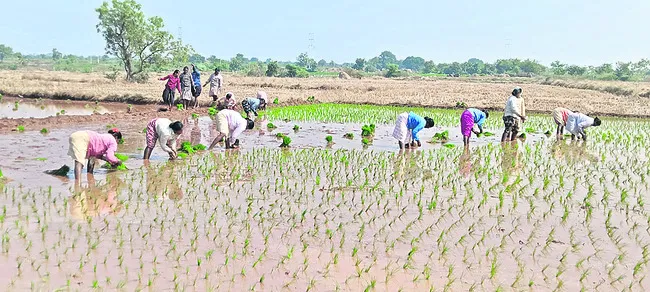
(216, 82)
(230, 124)
(513, 115)
(165, 132)
(577, 123)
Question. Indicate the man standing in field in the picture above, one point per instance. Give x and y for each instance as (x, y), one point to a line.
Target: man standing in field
(513, 115)
(196, 89)
(215, 81)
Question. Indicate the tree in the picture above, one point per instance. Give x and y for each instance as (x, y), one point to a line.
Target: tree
(56, 54)
(237, 63)
(392, 70)
(385, 58)
(212, 59)
(413, 63)
(272, 69)
(531, 66)
(5, 51)
(359, 64)
(197, 58)
(322, 63)
(558, 68)
(473, 66)
(306, 62)
(604, 69)
(255, 59)
(296, 71)
(138, 42)
(575, 70)
(623, 71)
(429, 67)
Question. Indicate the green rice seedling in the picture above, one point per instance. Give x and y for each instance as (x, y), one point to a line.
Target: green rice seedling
(440, 137)
(368, 130)
(212, 111)
(448, 145)
(311, 99)
(44, 131)
(179, 107)
(348, 136)
(286, 142)
(270, 126)
(40, 158)
(279, 135)
(195, 116)
(366, 141)
(20, 128)
(296, 128)
(276, 101)
(329, 139)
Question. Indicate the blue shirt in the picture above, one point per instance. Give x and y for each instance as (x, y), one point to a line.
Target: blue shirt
(479, 116)
(196, 75)
(254, 103)
(415, 123)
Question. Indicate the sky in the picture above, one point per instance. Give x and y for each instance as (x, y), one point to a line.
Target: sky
(585, 32)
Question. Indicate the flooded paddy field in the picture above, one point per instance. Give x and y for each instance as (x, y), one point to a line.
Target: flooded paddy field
(532, 215)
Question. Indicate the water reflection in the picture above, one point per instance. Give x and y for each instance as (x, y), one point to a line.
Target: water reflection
(96, 200)
(29, 109)
(162, 182)
(572, 151)
(465, 162)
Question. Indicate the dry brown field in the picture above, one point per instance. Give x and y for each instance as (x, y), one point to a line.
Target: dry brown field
(596, 97)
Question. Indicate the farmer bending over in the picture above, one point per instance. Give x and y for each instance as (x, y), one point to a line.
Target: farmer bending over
(86, 146)
(513, 115)
(407, 127)
(228, 102)
(253, 104)
(470, 117)
(230, 124)
(560, 116)
(578, 122)
(166, 133)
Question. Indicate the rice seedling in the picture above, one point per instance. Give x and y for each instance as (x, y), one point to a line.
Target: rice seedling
(440, 137)
(286, 142)
(349, 136)
(44, 131)
(329, 139)
(296, 128)
(20, 128)
(270, 126)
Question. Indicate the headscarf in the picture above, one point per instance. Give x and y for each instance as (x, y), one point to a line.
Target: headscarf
(262, 95)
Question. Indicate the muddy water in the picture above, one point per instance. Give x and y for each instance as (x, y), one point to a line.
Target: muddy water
(14, 108)
(342, 219)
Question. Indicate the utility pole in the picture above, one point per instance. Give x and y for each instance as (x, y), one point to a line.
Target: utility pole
(310, 47)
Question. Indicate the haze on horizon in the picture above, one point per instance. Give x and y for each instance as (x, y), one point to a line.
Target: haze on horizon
(572, 31)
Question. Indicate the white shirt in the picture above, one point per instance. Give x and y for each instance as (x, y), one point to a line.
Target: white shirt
(515, 107)
(236, 124)
(215, 80)
(165, 134)
(577, 122)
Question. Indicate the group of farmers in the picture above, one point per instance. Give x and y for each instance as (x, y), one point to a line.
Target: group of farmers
(86, 146)
(408, 125)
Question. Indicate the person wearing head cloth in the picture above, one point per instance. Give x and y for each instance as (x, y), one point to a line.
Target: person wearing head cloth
(577, 123)
(165, 132)
(228, 102)
(513, 115)
(468, 119)
(560, 116)
(230, 124)
(407, 127)
(86, 146)
(252, 104)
